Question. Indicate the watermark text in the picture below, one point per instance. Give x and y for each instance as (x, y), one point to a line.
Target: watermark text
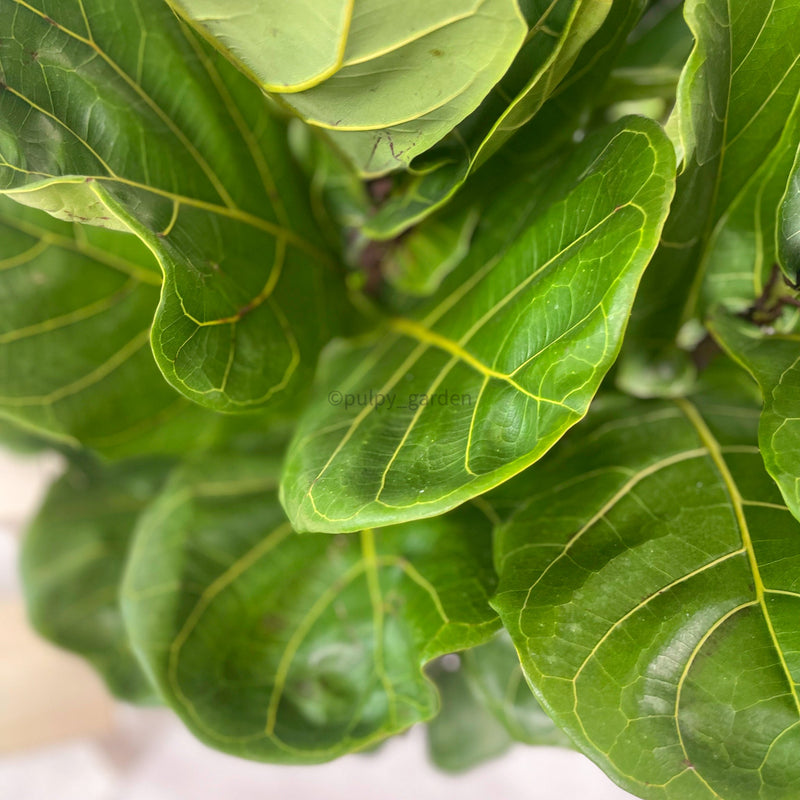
(389, 401)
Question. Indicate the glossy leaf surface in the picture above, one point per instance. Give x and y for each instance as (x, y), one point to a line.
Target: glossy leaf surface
(649, 580)
(289, 648)
(92, 130)
(501, 361)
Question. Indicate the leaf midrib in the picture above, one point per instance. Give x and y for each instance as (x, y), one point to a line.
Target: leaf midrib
(715, 453)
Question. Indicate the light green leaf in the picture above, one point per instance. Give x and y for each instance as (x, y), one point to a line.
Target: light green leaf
(76, 305)
(649, 581)
(285, 47)
(126, 120)
(73, 556)
(490, 372)
(387, 80)
(557, 31)
(486, 707)
(297, 649)
(739, 126)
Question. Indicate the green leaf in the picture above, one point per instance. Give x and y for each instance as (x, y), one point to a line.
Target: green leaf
(489, 373)
(650, 64)
(772, 359)
(125, 120)
(770, 354)
(465, 732)
(73, 557)
(419, 262)
(649, 581)
(306, 38)
(386, 79)
(568, 112)
(289, 648)
(339, 197)
(789, 224)
(739, 126)
(76, 305)
(16, 439)
(662, 38)
(557, 31)
(486, 707)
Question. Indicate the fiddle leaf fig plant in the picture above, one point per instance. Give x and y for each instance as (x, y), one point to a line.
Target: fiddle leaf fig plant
(417, 363)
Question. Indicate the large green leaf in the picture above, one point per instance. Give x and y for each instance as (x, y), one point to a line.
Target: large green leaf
(739, 127)
(76, 305)
(492, 370)
(650, 582)
(281, 647)
(125, 120)
(557, 31)
(486, 707)
(386, 79)
(73, 556)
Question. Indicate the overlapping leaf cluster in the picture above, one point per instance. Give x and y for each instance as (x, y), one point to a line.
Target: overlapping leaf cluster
(271, 272)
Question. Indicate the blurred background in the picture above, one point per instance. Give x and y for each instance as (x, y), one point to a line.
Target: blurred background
(62, 736)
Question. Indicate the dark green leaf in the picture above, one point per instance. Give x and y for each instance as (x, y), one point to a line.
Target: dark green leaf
(662, 38)
(486, 707)
(770, 352)
(73, 557)
(465, 732)
(76, 304)
(738, 120)
(125, 120)
(567, 112)
(420, 261)
(492, 370)
(789, 225)
(649, 580)
(281, 647)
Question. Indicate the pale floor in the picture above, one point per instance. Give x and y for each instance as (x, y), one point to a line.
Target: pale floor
(62, 737)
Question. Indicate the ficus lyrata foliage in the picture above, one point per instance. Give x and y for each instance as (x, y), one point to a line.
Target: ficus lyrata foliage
(375, 332)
